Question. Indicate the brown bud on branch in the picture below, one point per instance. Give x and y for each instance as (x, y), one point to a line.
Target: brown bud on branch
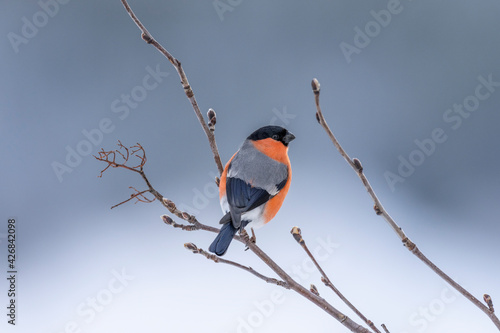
(297, 235)
(212, 119)
(191, 247)
(357, 164)
(325, 281)
(377, 209)
(314, 290)
(169, 203)
(167, 219)
(315, 86)
(489, 302)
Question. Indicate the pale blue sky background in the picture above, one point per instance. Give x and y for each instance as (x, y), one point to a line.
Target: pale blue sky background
(253, 64)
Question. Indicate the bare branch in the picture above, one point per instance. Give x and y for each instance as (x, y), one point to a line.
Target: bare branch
(139, 196)
(297, 235)
(148, 38)
(380, 210)
(172, 208)
(320, 302)
(109, 157)
(168, 220)
(193, 248)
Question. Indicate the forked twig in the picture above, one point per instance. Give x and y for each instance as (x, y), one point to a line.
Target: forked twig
(110, 157)
(139, 196)
(380, 210)
(297, 235)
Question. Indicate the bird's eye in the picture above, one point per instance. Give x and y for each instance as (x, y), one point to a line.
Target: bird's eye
(275, 137)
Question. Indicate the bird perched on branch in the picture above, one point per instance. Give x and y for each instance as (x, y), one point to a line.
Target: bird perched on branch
(254, 183)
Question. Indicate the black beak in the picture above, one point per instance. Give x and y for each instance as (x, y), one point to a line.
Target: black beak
(288, 137)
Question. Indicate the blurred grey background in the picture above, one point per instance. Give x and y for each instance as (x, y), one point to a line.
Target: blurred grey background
(410, 85)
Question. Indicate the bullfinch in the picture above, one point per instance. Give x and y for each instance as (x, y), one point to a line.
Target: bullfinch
(254, 183)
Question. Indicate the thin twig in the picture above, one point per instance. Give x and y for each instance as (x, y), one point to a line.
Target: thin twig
(291, 284)
(297, 235)
(138, 195)
(311, 296)
(172, 208)
(193, 248)
(380, 210)
(287, 282)
(109, 157)
(385, 329)
(148, 38)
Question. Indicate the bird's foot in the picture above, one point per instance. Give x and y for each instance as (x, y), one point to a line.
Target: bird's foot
(253, 239)
(244, 234)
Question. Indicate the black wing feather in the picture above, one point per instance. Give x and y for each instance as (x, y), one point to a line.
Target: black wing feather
(242, 197)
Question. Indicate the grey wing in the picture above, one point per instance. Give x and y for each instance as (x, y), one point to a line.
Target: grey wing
(258, 170)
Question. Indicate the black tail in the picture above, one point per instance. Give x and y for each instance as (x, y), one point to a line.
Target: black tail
(221, 243)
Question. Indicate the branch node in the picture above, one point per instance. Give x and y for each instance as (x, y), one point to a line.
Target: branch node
(314, 290)
(317, 118)
(325, 281)
(489, 302)
(409, 244)
(187, 88)
(147, 38)
(377, 209)
(357, 164)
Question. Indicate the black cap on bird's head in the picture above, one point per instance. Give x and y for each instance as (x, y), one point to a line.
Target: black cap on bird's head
(277, 133)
